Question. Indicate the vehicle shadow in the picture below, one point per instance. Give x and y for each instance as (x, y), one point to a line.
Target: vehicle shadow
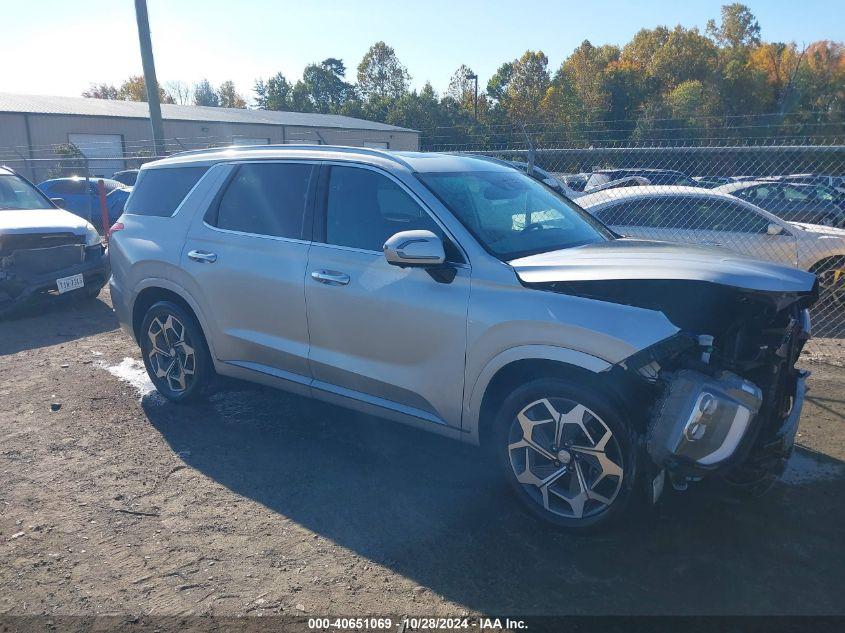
(430, 509)
(54, 320)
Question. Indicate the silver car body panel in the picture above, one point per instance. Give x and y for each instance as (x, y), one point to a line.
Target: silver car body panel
(641, 259)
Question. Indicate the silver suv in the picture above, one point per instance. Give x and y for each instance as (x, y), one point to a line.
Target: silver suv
(468, 299)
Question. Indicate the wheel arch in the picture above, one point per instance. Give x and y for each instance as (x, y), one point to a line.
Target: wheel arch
(835, 259)
(156, 290)
(521, 364)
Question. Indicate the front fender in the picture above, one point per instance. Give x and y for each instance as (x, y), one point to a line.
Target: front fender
(475, 395)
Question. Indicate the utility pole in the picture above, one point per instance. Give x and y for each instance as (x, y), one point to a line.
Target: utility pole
(474, 77)
(150, 75)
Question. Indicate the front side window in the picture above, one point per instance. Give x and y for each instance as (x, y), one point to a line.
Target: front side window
(160, 191)
(513, 215)
(17, 194)
(266, 199)
(364, 208)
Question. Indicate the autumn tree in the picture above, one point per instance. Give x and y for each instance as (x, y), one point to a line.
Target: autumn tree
(134, 89)
(738, 28)
(527, 87)
(229, 97)
(205, 95)
(462, 87)
(273, 94)
(101, 91)
(381, 75)
(323, 86)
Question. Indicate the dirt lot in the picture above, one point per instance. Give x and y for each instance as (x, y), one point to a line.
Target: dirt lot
(260, 502)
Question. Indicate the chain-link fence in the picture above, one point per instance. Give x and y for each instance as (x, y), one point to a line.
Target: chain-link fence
(783, 203)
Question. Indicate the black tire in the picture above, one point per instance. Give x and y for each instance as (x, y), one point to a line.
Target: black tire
(197, 383)
(621, 447)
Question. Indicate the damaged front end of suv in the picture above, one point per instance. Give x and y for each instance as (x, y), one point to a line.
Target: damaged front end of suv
(722, 395)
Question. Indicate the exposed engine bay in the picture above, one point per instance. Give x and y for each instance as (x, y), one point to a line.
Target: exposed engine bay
(723, 394)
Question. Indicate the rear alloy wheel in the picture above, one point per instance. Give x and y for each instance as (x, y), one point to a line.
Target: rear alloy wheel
(174, 351)
(570, 463)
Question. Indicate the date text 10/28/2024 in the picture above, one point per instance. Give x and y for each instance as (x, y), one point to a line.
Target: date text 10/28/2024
(416, 623)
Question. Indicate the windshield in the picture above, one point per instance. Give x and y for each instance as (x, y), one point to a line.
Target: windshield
(513, 215)
(16, 194)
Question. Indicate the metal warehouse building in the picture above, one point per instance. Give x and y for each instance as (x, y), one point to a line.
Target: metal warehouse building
(116, 133)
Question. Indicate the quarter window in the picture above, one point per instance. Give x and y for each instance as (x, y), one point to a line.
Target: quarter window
(266, 199)
(160, 191)
(364, 208)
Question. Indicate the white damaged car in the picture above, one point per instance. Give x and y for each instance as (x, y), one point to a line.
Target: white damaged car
(44, 249)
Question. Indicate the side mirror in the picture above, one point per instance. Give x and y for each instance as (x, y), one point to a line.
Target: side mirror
(59, 202)
(415, 249)
(774, 229)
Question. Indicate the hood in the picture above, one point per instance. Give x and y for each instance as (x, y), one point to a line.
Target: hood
(41, 221)
(631, 259)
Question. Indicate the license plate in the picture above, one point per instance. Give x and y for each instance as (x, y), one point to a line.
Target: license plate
(65, 284)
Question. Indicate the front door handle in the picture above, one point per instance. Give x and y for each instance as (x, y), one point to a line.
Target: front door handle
(204, 257)
(330, 277)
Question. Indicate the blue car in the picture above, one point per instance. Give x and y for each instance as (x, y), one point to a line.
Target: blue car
(80, 196)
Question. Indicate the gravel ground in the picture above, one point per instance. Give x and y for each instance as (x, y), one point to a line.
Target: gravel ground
(263, 503)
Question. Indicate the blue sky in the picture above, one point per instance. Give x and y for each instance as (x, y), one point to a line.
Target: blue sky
(60, 47)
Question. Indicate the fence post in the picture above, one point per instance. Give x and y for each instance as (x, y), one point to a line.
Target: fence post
(104, 209)
(88, 189)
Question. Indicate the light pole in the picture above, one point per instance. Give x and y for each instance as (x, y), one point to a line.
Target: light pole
(150, 75)
(474, 77)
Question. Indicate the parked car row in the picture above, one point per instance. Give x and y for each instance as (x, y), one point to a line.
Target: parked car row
(805, 198)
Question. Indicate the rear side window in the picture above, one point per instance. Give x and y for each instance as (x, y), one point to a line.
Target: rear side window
(160, 191)
(266, 199)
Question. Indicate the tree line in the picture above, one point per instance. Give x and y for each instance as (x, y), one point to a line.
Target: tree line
(666, 83)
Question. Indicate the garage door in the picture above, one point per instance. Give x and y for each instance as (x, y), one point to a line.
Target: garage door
(105, 150)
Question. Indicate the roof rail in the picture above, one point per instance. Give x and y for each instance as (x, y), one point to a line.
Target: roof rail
(331, 148)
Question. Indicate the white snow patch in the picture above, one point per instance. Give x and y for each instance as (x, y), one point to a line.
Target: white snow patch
(132, 371)
(805, 469)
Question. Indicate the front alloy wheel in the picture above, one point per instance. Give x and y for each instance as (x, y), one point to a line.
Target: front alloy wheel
(567, 452)
(566, 458)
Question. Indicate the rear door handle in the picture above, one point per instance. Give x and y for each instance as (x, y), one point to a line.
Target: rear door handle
(330, 277)
(204, 257)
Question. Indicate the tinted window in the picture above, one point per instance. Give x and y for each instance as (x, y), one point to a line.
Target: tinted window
(625, 213)
(364, 208)
(266, 199)
(16, 194)
(65, 187)
(160, 191)
(796, 194)
(688, 213)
